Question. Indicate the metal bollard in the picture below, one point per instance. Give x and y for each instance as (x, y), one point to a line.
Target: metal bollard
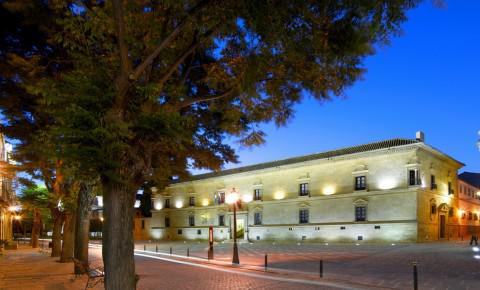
(188, 252)
(170, 250)
(266, 262)
(156, 248)
(320, 269)
(415, 276)
(145, 247)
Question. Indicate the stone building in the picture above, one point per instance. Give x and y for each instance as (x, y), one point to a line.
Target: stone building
(469, 203)
(393, 190)
(7, 195)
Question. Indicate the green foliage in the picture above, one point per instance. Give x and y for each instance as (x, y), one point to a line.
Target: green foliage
(215, 69)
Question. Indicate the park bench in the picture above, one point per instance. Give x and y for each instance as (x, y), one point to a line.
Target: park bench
(95, 275)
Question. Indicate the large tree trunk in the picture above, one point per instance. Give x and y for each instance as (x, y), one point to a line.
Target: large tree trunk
(68, 237)
(36, 227)
(117, 239)
(57, 232)
(82, 228)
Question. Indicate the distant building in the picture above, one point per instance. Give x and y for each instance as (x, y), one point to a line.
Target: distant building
(392, 190)
(7, 195)
(469, 202)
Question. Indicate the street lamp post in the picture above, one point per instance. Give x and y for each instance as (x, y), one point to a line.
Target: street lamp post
(233, 199)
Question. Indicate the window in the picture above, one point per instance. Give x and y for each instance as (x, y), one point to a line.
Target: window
(360, 213)
(450, 212)
(143, 224)
(179, 231)
(221, 220)
(303, 190)
(433, 184)
(220, 198)
(257, 194)
(433, 209)
(167, 203)
(257, 218)
(414, 177)
(191, 201)
(199, 232)
(303, 216)
(360, 182)
(167, 222)
(191, 220)
(450, 189)
(470, 215)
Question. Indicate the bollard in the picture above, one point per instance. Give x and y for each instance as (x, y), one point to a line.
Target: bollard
(145, 247)
(415, 276)
(266, 262)
(156, 248)
(170, 250)
(188, 252)
(320, 269)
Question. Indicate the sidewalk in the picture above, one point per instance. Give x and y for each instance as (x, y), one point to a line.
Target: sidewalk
(28, 269)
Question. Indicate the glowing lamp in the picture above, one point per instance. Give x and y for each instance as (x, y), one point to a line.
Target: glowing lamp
(279, 194)
(247, 198)
(205, 202)
(17, 217)
(328, 190)
(232, 197)
(12, 208)
(102, 219)
(387, 183)
(158, 206)
(179, 204)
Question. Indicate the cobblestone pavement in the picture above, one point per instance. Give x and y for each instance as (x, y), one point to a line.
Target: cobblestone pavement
(448, 265)
(28, 269)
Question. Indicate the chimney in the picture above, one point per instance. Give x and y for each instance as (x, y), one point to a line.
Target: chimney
(420, 136)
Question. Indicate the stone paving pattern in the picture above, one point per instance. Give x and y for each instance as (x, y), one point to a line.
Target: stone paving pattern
(446, 265)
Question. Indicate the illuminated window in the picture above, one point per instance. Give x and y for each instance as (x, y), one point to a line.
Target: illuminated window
(303, 189)
(221, 220)
(414, 177)
(191, 201)
(219, 197)
(360, 182)
(360, 213)
(191, 220)
(303, 216)
(257, 218)
(257, 194)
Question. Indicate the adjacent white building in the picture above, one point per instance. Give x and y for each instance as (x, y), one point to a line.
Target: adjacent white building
(392, 190)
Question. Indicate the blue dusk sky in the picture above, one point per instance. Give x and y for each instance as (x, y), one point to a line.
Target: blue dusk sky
(427, 79)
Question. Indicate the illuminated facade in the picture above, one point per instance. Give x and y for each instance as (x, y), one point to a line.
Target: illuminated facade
(7, 195)
(393, 190)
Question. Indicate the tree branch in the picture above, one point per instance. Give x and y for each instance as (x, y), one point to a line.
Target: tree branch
(141, 67)
(182, 58)
(190, 102)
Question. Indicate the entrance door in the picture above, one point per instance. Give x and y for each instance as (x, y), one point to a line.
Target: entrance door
(442, 226)
(240, 228)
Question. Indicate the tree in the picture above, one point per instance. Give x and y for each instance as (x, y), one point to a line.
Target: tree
(155, 87)
(36, 201)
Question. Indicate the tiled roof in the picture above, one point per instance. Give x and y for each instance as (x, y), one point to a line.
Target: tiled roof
(471, 178)
(328, 154)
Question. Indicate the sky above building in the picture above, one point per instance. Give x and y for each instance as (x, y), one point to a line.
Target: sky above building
(427, 79)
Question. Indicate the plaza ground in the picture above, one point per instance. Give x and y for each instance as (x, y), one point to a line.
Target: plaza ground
(446, 265)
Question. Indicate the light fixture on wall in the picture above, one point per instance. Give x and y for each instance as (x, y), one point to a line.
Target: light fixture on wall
(329, 190)
(179, 204)
(205, 202)
(279, 194)
(387, 183)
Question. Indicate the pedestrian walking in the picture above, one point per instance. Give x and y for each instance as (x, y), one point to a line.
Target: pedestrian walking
(474, 239)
